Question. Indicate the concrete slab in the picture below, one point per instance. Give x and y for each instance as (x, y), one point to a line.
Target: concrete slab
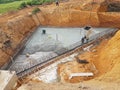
(8, 79)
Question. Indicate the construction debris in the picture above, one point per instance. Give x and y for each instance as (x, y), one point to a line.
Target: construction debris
(86, 74)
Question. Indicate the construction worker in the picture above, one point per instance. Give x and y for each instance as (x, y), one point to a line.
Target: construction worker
(43, 31)
(57, 3)
(88, 29)
(87, 39)
(82, 40)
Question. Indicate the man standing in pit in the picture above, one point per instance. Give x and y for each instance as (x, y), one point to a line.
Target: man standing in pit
(82, 40)
(57, 3)
(88, 30)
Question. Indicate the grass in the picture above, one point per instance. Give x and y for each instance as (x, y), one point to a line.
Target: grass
(12, 6)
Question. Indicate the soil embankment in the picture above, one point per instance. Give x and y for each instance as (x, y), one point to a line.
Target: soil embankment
(12, 34)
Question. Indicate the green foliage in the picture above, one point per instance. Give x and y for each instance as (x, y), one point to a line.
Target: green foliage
(29, 3)
(22, 5)
(48, 1)
(35, 2)
(7, 1)
(13, 5)
(38, 2)
(35, 10)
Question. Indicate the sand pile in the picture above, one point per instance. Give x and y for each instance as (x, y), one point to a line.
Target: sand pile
(109, 59)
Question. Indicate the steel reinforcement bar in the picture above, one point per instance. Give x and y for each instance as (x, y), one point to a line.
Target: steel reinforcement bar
(77, 49)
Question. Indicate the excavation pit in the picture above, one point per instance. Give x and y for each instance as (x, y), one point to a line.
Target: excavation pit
(41, 48)
(55, 42)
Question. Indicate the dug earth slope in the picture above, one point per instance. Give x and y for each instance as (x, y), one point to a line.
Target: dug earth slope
(12, 33)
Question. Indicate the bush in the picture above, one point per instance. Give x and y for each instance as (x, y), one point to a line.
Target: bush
(48, 0)
(23, 5)
(35, 10)
(29, 3)
(7, 1)
(36, 2)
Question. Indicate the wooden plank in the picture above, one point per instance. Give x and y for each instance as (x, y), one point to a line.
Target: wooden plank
(86, 74)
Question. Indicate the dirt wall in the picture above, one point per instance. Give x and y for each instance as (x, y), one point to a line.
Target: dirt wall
(72, 17)
(12, 33)
(109, 56)
(109, 19)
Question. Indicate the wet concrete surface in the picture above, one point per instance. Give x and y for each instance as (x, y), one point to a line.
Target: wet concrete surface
(41, 47)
